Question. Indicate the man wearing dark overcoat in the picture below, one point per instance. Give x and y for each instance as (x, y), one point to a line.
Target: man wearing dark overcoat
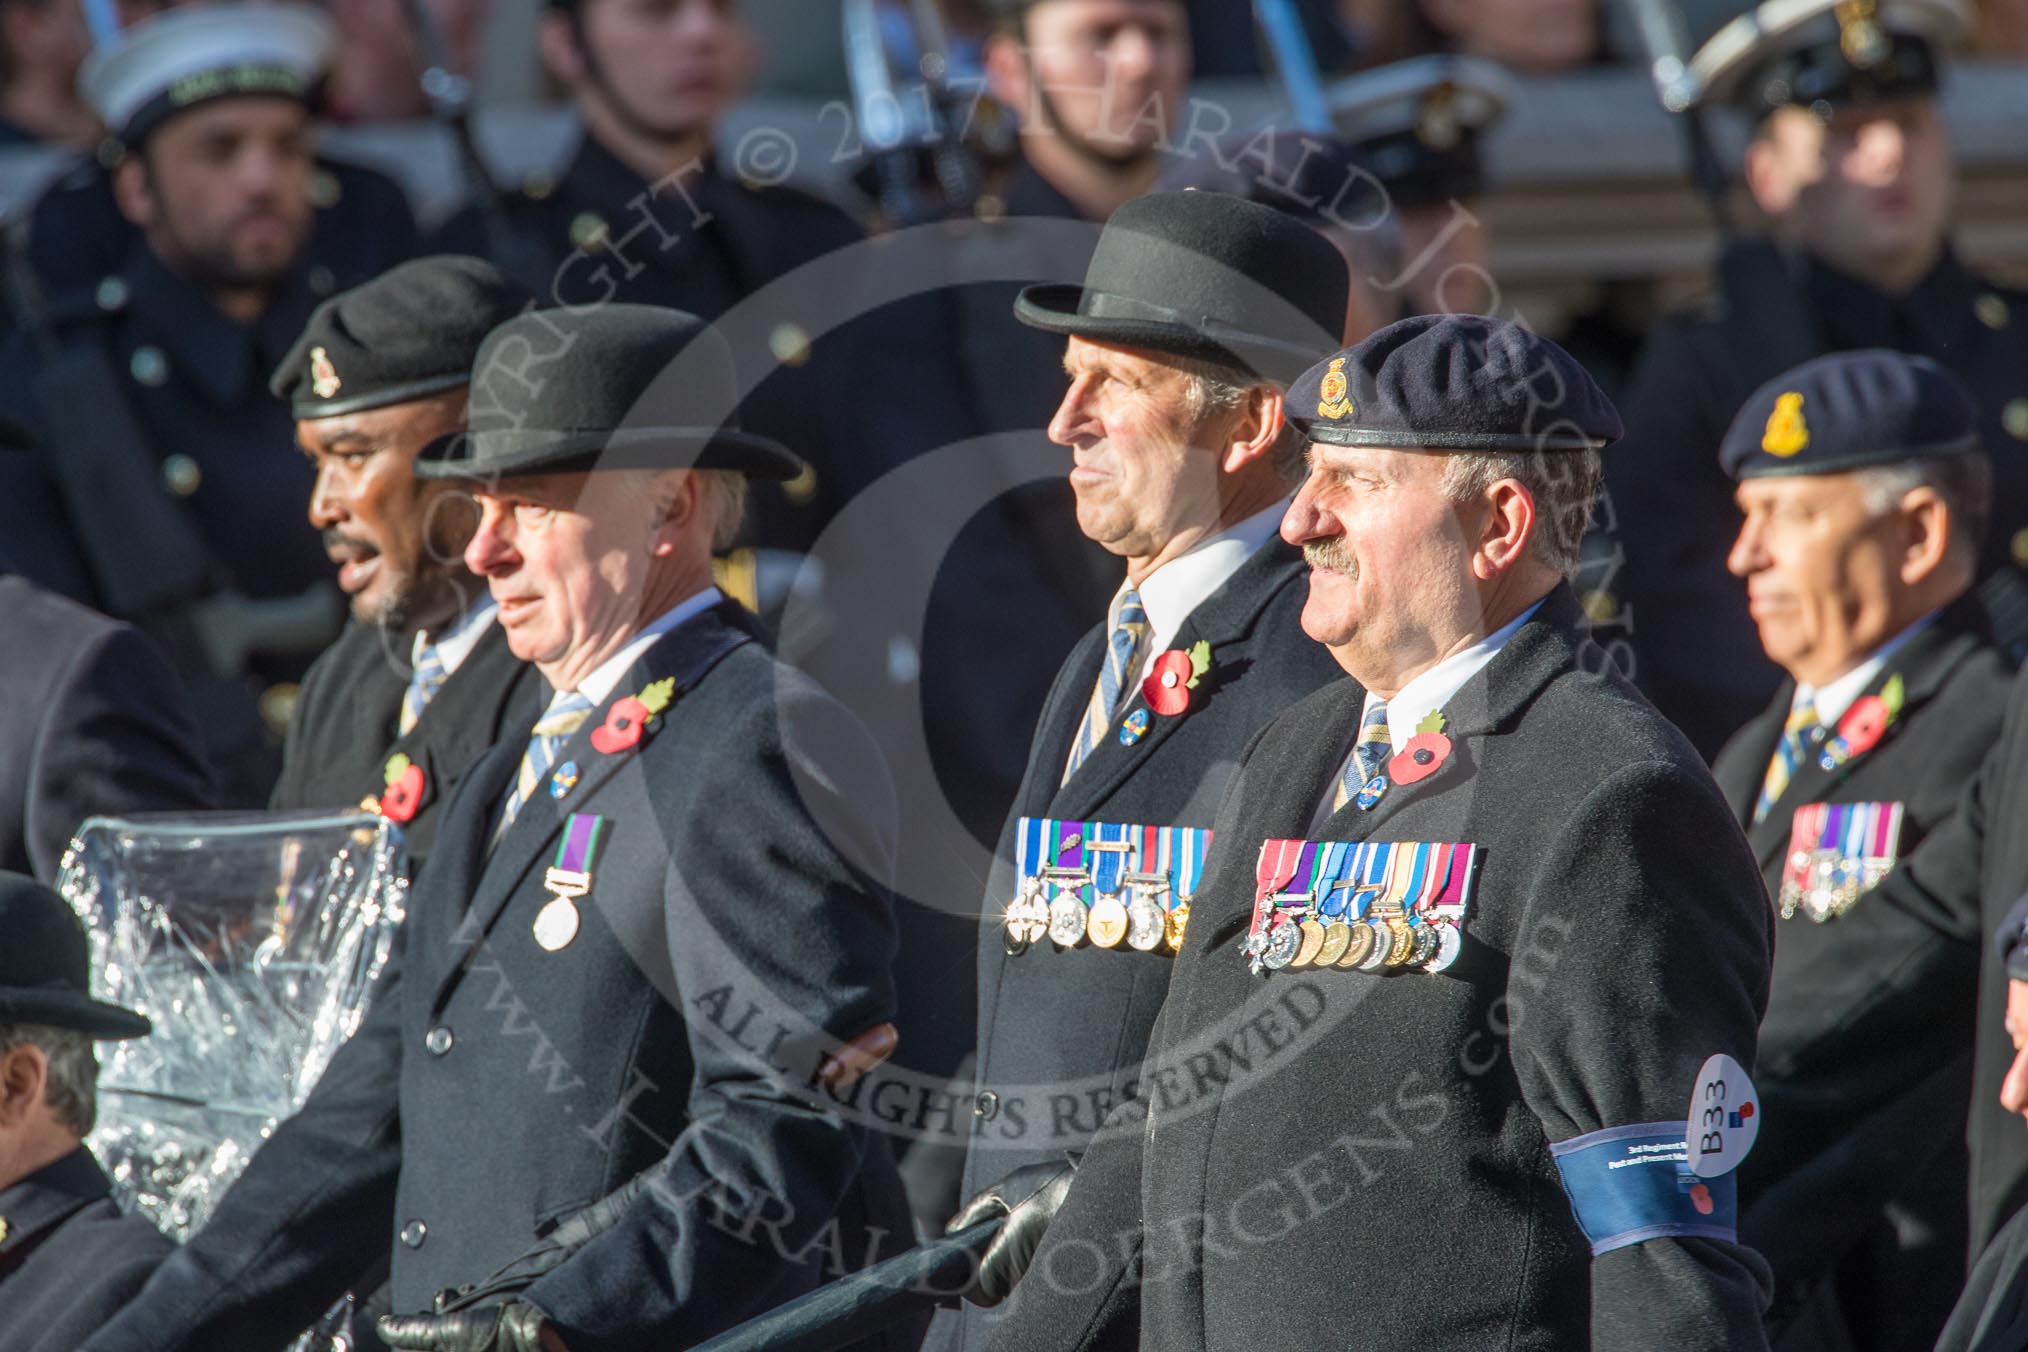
(423, 672)
(652, 923)
(1864, 490)
(1184, 465)
(1449, 1104)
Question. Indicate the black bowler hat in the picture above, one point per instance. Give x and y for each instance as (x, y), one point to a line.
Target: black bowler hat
(1204, 275)
(1320, 179)
(45, 966)
(1851, 410)
(408, 334)
(1454, 383)
(1833, 52)
(615, 387)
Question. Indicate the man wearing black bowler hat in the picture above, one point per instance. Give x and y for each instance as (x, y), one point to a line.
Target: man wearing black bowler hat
(422, 673)
(1455, 1110)
(1197, 310)
(68, 1258)
(652, 945)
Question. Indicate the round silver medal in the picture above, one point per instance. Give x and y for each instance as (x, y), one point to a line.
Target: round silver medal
(1067, 919)
(1383, 940)
(556, 924)
(1449, 942)
(1283, 942)
(1145, 930)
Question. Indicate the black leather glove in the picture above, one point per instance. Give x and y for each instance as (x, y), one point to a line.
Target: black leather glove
(1028, 1198)
(514, 1327)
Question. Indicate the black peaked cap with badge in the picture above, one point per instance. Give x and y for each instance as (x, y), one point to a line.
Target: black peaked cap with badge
(410, 333)
(617, 387)
(1851, 410)
(1208, 276)
(1835, 52)
(1454, 383)
(45, 966)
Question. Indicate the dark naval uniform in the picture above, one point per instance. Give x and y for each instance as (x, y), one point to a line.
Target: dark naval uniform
(68, 1258)
(344, 729)
(96, 724)
(1856, 1112)
(728, 929)
(1324, 1157)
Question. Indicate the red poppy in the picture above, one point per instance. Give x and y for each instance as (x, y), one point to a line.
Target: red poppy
(1864, 723)
(622, 728)
(1419, 758)
(1167, 688)
(403, 796)
(1700, 1197)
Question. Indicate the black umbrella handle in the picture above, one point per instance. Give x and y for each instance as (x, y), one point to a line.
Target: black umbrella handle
(840, 1313)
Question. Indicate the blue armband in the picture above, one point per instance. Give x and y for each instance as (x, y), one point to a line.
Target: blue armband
(1632, 1183)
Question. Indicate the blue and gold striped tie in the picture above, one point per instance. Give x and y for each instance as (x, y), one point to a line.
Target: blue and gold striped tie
(1123, 659)
(423, 683)
(1798, 734)
(551, 731)
(1368, 754)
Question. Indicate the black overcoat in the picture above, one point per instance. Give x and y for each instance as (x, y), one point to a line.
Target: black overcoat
(68, 1257)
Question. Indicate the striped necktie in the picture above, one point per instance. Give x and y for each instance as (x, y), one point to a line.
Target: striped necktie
(1123, 651)
(1368, 754)
(423, 683)
(551, 731)
(1798, 735)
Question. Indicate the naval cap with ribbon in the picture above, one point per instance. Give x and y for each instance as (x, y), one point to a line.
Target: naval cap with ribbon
(1204, 275)
(196, 54)
(1835, 52)
(410, 333)
(612, 387)
(1416, 123)
(1850, 410)
(1454, 383)
(45, 966)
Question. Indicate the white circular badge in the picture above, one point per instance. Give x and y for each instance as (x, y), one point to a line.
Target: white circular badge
(1724, 1117)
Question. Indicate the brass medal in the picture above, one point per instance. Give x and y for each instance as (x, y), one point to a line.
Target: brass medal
(1173, 925)
(1358, 946)
(1107, 922)
(1312, 943)
(1337, 937)
(1403, 942)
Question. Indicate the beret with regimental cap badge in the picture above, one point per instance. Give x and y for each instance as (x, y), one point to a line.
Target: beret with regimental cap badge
(603, 388)
(1416, 123)
(1833, 52)
(1851, 410)
(1204, 275)
(45, 966)
(410, 333)
(1454, 383)
(184, 57)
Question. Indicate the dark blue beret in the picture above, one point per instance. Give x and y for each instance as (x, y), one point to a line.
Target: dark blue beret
(1454, 383)
(1849, 410)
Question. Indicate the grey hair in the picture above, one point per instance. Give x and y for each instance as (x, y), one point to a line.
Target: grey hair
(1964, 482)
(725, 491)
(1216, 388)
(1563, 484)
(71, 1088)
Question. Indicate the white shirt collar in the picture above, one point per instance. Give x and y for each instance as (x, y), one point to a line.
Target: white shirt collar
(455, 644)
(1427, 693)
(1836, 696)
(1186, 582)
(598, 686)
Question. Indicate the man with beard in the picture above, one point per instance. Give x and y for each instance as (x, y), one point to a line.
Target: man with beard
(1851, 160)
(422, 674)
(157, 427)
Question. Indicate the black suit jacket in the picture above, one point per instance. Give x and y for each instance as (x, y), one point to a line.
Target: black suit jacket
(95, 724)
(1338, 1158)
(1857, 1109)
(735, 925)
(68, 1258)
(342, 733)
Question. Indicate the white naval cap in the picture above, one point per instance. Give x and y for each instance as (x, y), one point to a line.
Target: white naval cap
(1832, 51)
(1416, 122)
(191, 55)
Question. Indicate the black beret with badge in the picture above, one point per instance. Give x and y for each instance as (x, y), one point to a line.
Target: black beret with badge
(1204, 275)
(1851, 410)
(1826, 52)
(1416, 123)
(611, 387)
(410, 333)
(1454, 383)
(185, 57)
(45, 966)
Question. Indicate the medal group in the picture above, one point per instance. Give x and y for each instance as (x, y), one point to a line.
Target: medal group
(1105, 883)
(1371, 906)
(1836, 852)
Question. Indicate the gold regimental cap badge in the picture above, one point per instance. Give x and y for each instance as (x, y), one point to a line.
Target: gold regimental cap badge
(1334, 398)
(323, 375)
(1786, 432)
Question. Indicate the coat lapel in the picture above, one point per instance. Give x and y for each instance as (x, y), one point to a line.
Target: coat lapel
(452, 734)
(685, 654)
(1225, 617)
